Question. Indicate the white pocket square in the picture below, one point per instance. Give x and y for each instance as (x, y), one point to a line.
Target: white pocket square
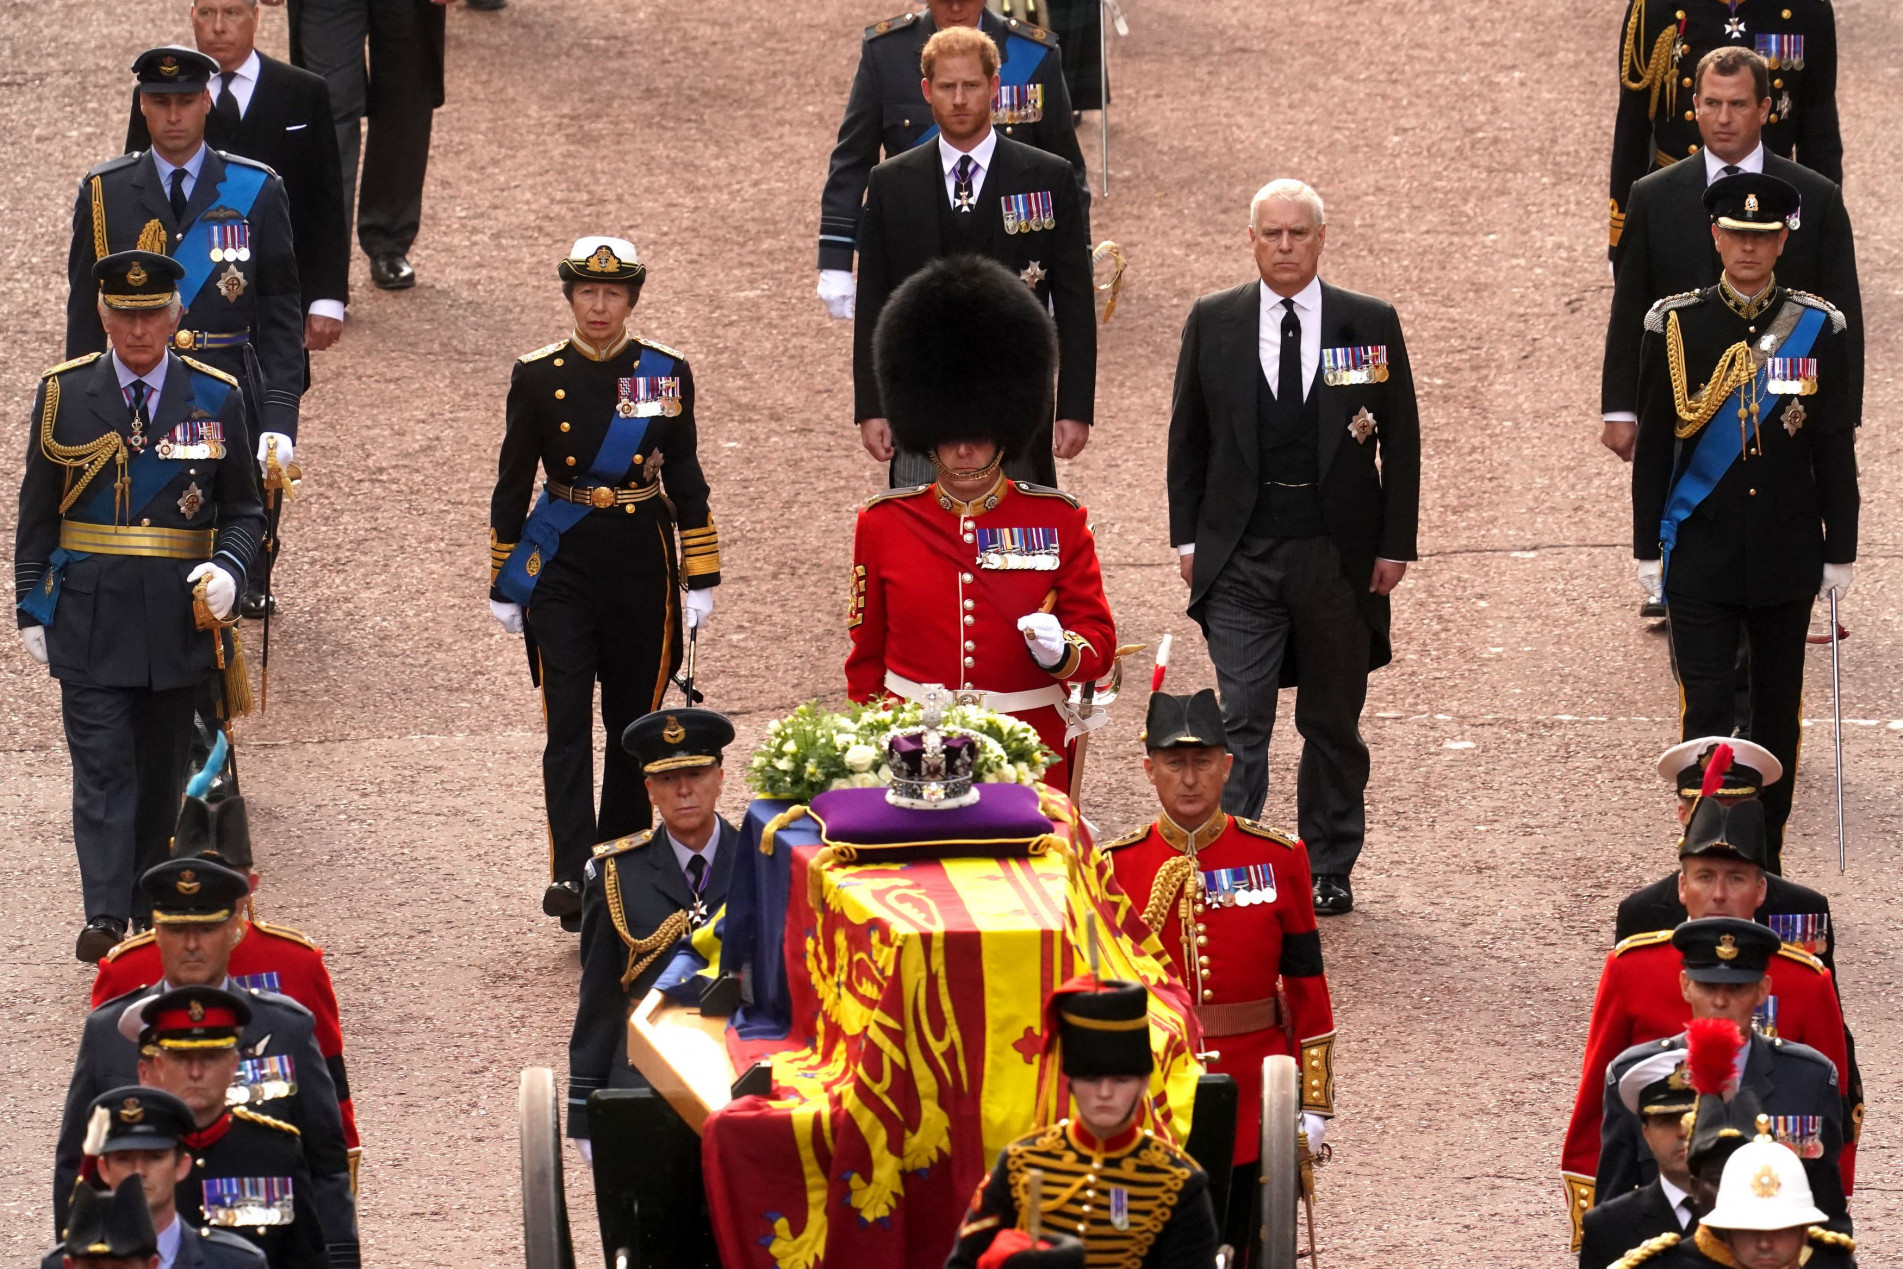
(295, 127)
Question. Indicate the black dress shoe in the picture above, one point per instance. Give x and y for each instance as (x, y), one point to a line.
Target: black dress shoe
(571, 924)
(100, 936)
(255, 604)
(391, 272)
(562, 899)
(1652, 609)
(1333, 895)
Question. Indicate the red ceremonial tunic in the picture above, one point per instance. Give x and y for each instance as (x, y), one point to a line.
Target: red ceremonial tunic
(1255, 967)
(269, 958)
(936, 597)
(1639, 1000)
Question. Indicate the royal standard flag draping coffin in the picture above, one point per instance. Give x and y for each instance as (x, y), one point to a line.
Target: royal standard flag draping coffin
(917, 1051)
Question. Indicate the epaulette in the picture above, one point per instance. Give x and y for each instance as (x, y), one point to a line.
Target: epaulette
(1831, 1238)
(904, 491)
(137, 940)
(1646, 1250)
(204, 369)
(1648, 939)
(242, 161)
(264, 1121)
(544, 351)
(64, 366)
(286, 932)
(885, 26)
(622, 844)
(1822, 305)
(1655, 316)
(1044, 491)
(1130, 838)
(1792, 951)
(118, 161)
(659, 347)
(1029, 32)
(1256, 829)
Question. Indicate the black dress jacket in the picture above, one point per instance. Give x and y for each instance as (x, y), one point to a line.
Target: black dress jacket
(1667, 250)
(1764, 533)
(901, 234)
(126, 620)
(1614, 1228)
(287, 127)
(886, 112)
(631, 887)
(1370, 487)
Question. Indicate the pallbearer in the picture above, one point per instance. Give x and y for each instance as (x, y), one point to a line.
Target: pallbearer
(594, 575)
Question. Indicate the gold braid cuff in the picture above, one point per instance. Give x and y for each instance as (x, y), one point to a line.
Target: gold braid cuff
(1176, 872)
(1318, 1075)
(92, 456)
(641, 952)
(1579, 1192)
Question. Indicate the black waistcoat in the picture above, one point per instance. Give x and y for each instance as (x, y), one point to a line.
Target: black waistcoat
(958, 231)
(1288, 504)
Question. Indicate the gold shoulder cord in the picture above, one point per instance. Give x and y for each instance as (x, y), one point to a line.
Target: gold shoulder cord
(99, 219)
(1655, 74)
(92, 456)
(641, 952)
(1734, 370)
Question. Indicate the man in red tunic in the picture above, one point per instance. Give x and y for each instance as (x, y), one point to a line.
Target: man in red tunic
(987, 586)
(267, 957)
(1231, 902)
(1641, 997)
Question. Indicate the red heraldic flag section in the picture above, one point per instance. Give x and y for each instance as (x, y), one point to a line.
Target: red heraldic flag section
(1231, 904)
(938, 587)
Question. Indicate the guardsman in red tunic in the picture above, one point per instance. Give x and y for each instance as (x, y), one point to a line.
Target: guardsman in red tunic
(1231, 902)
(267, 957)
(1641, 997)
(987, 586)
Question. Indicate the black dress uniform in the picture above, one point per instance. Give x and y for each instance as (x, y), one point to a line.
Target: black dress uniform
(243, 312)
(638, 906)
(1659, 49)
(886, 113)
(118, 504)
(275, 1034)
(602, 596)
(1749, 554)
(249, 1177)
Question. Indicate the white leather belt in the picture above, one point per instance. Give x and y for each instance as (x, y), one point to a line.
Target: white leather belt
(1052, 697)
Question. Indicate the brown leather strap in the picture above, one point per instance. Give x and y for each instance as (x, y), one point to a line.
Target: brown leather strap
(1238, 1018)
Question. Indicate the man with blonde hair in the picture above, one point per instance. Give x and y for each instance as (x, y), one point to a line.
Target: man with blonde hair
(1294, 485)
(975, 192)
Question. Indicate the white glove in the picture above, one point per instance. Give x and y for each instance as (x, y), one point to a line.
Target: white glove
(696, 607)
(1317, 1128)
(509, 615)
(586, 1147)
(1837, 578)
(1652, 577)
(1045, 634)
(264, 447)
(220, 593)
(836, 289)
(34, 637)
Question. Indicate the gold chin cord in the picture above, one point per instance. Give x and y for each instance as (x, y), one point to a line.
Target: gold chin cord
(1736, 369)
(975, 473)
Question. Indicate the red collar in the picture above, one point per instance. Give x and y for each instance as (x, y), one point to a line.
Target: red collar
(1087, 1141)
(209, 1135)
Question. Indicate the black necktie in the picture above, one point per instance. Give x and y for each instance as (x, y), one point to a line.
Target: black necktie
(226, 107)
(1732, 169)
(1288, 379)
(962, 196)
(178, 196)
(697, 871)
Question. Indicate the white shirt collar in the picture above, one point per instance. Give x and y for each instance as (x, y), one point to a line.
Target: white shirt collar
(1308, 300)
(168, 1242)
(191, 166)
(1715, 166)
(248, 68)
(948, 154)
(155, 377)
(683, 853)
(1674, 1197)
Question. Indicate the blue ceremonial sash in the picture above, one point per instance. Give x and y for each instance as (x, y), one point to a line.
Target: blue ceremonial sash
(148, 473)
(542, 532)
(238, 190)
(1716, 452)
(1025, 56)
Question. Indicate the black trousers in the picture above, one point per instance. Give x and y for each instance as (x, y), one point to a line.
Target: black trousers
(1280, 596)
(607, 610)
(128, 747)
(1705, 642)
(395, 92)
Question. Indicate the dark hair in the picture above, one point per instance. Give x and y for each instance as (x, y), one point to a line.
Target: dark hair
(1729, 61)
(634, 289)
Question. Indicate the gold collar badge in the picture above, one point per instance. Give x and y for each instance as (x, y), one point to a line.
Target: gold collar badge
(188, 882)
(1727, 948)
(673, 733)
(132, 1112)
(136, 275)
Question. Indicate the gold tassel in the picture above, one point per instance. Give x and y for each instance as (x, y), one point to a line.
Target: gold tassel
(237, 680)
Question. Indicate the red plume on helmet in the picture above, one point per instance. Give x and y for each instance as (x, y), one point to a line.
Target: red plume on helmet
(1715, 771)
(1711, 1054)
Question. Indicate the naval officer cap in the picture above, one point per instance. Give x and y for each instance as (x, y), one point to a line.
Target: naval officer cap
(172, 69)
(1725, 949)
(1750, 768)
(136, 280)
(1752, 202)
(675, 739)
(600, 259)
(1184, 722)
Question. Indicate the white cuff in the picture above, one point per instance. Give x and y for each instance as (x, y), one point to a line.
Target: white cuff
(1187, 548)
(1620, 416)
(333, 309)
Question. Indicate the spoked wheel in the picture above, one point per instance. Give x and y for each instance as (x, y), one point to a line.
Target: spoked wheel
(1281, 1167)
(545, 1238)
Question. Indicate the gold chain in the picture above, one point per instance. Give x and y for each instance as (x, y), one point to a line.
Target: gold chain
(92, 456)
(1736, 369)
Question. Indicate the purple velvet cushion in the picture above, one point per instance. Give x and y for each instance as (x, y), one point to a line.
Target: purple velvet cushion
(1004, 816)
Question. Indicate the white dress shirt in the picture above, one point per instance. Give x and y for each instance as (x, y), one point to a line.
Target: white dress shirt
(154, 379)
(244, 80)
(1681, 1203)
(191, 166)
(684, 853)
(948, 156)
(168, 1243)
(1268, 341)
(1715, 166)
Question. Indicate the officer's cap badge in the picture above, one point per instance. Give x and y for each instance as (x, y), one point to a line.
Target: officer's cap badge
(197, 1010)
(1765, 1184)
(1727, 948)
(188, 882)
(136, 275)
(603, 261)
(1676, 1081)
(168, 65)
(673, 733)
(132, 1112)
(1751, 203)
